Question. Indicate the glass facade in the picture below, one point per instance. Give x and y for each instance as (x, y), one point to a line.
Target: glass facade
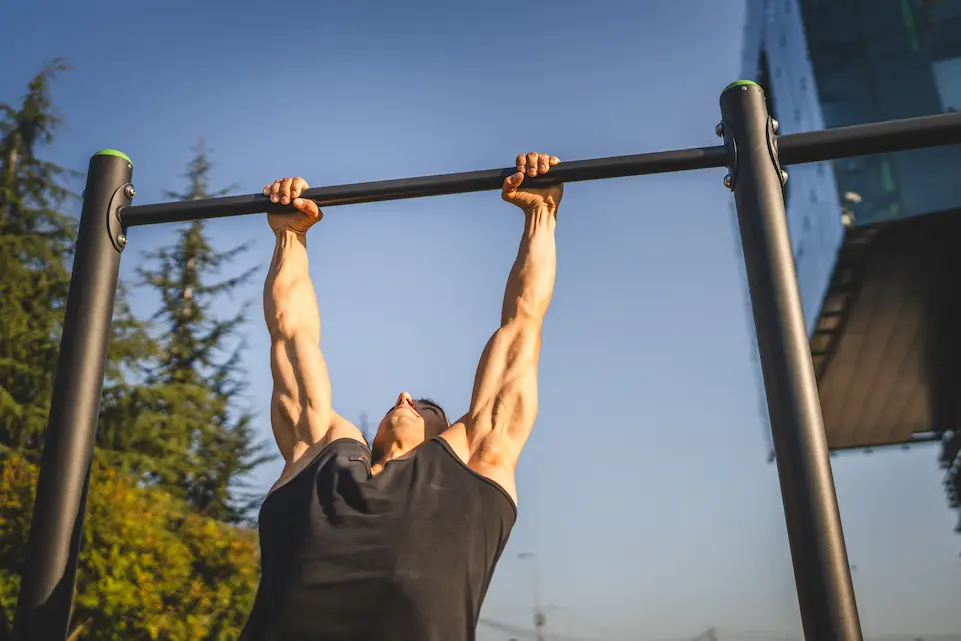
(833, 63)
(776, 55)
(877, 60)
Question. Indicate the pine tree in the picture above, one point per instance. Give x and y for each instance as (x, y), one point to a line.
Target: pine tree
(35, 240)
(36, 247)
(208, 443)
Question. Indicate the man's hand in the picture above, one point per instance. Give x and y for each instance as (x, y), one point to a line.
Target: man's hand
(287, 191)
(532, 164)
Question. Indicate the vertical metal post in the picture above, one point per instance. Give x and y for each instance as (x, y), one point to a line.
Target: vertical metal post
(46, 590)
(821, 571)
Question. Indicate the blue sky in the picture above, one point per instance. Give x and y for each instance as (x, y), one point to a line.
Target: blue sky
(645, 490)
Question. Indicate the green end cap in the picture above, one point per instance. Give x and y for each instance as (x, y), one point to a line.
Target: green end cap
(742, 83)
(114, 152)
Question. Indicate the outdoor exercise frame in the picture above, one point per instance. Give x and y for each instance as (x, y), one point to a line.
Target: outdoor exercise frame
(754, 156)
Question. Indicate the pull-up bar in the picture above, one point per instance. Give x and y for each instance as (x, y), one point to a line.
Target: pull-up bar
(754, 157)
(794, 149)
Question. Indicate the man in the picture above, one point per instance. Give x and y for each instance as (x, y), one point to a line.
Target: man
(398, 543)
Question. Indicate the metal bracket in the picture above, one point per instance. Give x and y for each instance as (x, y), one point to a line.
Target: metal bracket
(730, 143)
(773, 151)
(121, 198)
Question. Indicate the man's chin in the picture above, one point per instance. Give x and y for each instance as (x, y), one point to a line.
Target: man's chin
(404, 425)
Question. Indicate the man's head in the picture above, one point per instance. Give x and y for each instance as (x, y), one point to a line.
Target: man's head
(409, 423)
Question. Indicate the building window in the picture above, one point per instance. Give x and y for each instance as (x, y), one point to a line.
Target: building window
(947, 79)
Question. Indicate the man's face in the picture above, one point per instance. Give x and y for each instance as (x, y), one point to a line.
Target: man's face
(421, 417)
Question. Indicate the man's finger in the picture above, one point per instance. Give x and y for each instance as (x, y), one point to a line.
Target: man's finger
(542, 163)
(521, 162)
(554, 160)
(285, 191)
(532, 164)
(297, 187)
(275, 191)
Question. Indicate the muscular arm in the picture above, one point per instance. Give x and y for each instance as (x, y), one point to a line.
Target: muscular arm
(300, 408)
(504, 401)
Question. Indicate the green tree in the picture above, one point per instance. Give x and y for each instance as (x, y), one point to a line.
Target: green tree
(36, 238)
(197, 395)
(150, 567)
(36, 247)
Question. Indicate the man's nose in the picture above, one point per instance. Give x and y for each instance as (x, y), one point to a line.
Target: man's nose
(404, 398)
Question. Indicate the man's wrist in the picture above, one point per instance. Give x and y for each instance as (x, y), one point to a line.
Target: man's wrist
(540, 210)
(286, 236)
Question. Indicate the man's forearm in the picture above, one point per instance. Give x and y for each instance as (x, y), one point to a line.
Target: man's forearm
(531, 281)
(290, 304)
(301, 411)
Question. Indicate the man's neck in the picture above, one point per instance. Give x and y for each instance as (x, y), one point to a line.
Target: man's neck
(399, 446)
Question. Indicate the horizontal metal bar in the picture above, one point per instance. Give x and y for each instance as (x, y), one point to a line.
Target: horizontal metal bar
(438, 185)
(895, 135)
(872, 138)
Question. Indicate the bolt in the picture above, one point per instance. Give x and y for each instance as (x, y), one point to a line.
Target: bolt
(773, 125)
(719, 130)
(783, 176)
(122, 239)
(728, 181)
(129, 191)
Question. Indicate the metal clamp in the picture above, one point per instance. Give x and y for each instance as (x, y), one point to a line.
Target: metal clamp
(772, 126)
(115, 228)
(730, 144)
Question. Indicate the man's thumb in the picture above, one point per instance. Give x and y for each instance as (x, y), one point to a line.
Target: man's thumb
(306, 206)
(513, 181)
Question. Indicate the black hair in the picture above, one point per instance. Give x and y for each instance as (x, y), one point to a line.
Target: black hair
(429, 401)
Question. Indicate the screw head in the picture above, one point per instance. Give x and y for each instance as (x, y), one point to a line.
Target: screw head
(783, 176)
(719, 130)
(122, 239)
(774, 125)
(129, 191)
(728, 181)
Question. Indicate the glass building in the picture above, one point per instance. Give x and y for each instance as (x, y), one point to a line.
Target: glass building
(873, 237)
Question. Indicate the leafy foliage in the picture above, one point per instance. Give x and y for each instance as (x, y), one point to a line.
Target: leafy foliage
(150, 567)
(173, 442)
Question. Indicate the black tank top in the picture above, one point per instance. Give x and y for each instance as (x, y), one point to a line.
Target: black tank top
(406, 555)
